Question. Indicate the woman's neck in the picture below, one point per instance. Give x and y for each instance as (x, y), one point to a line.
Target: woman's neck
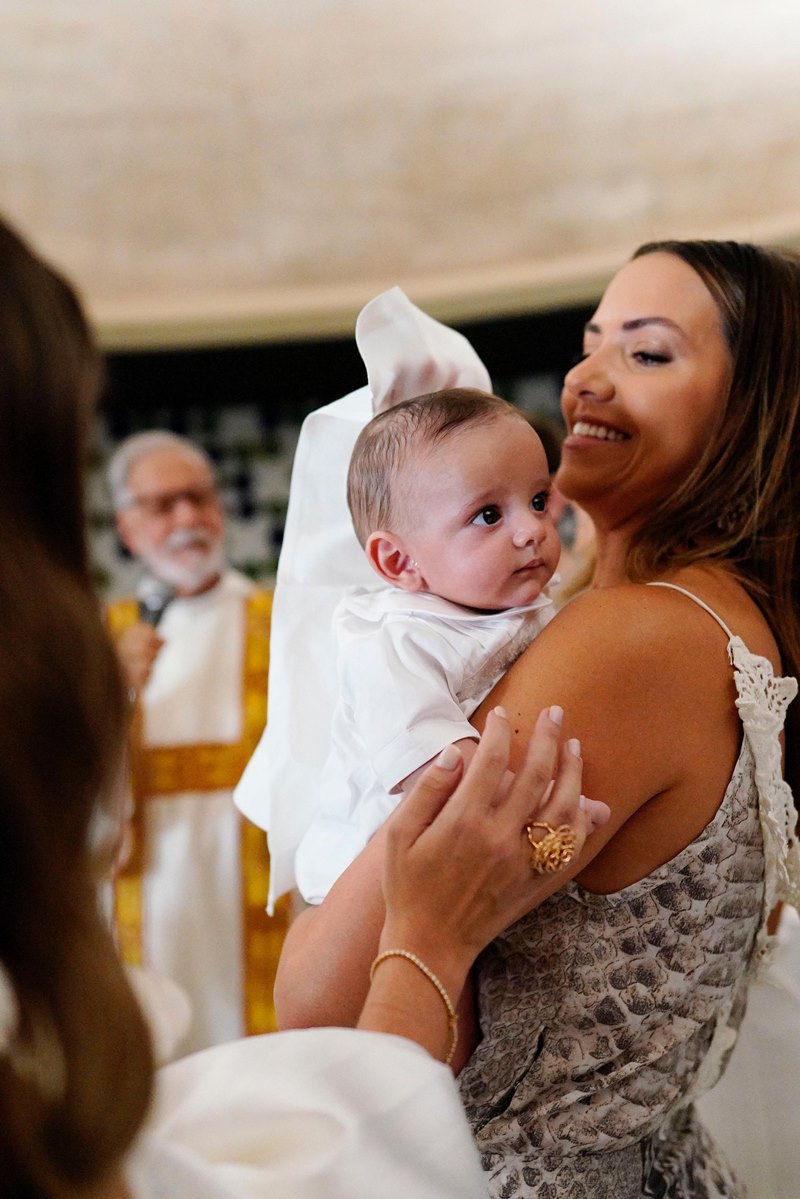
(611, 548)
(612, 551)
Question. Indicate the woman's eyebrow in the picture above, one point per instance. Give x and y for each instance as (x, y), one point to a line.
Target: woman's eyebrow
(638, 322)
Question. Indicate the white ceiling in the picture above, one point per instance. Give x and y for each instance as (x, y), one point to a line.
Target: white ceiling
(239, 169)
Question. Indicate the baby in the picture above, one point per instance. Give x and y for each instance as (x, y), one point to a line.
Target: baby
(449, 498)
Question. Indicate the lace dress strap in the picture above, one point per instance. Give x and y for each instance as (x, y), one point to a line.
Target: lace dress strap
(762, 700)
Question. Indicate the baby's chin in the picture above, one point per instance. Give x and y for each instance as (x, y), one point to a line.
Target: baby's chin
(529, 596)
(518, 597)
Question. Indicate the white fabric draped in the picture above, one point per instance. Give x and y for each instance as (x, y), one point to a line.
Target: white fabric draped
(406, 353)
(316, 1114)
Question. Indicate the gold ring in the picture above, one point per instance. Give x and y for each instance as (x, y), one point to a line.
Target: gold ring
(554, 851)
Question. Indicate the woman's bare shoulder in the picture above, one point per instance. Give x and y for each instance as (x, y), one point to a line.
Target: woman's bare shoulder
(631, 619)
(643, 676)
(618, 659)
(676, 616)
(603, 645)
(641, 618)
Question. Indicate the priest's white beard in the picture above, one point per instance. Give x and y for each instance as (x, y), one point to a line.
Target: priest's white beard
(188, 559)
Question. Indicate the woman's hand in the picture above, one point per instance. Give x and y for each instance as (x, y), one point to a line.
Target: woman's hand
(458, 861)
(454, 865)
(458, 871)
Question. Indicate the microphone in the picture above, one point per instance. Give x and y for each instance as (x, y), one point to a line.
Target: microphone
(154, 597)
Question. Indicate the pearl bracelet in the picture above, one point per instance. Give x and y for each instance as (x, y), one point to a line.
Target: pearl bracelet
(452, 1015)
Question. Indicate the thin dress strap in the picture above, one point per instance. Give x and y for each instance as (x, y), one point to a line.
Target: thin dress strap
(697, 600)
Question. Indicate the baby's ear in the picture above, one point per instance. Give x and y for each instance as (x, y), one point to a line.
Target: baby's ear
(386, 554)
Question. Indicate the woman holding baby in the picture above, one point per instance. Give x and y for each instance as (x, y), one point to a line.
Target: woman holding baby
(614, 1004)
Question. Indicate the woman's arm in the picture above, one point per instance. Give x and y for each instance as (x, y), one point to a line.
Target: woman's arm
(644, 678)
(323, 974)
(324, 966)
(458, 872)
(642, 674)
(328, 949)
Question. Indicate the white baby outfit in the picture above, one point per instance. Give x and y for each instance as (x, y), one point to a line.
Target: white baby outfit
(411, 670)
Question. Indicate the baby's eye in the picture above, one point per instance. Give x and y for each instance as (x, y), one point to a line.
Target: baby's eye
(540, 501)
(487, 516)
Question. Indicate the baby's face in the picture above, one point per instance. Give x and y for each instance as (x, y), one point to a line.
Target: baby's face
(478, 523)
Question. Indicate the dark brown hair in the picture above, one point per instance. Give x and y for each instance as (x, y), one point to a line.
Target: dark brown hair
(740, 503)
(384, 446)
(75, 1079)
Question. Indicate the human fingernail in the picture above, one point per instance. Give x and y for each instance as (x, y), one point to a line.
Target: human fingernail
(556, 714)
(597, 811)
(498, 711)
(574, 746)
(449, 758)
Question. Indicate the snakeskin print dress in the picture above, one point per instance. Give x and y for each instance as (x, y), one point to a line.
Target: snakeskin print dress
(604, 1016)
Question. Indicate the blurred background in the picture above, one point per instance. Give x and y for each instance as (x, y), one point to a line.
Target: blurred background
(229, 182)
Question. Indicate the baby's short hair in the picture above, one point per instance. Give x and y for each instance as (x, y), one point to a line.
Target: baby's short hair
(385, 445)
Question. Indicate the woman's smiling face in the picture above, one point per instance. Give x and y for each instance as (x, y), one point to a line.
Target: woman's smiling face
(641, 403)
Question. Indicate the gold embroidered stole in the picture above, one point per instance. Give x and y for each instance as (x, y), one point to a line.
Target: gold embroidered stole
(158, 772)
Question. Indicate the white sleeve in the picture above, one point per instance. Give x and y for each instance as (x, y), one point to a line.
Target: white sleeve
(313, 1114)
(399, 681)
(396, 711)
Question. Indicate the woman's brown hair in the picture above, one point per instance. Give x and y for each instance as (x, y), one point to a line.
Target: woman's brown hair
(76, 1074)
(741, 501)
